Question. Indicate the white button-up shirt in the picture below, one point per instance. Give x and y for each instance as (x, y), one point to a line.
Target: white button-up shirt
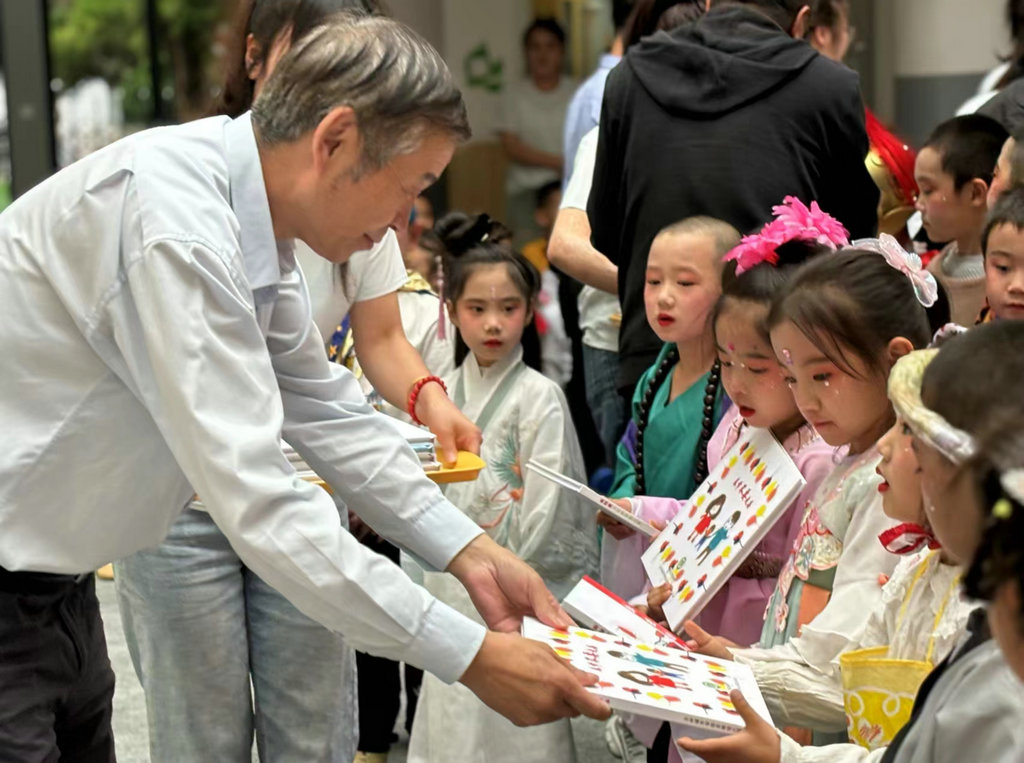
(157, 341)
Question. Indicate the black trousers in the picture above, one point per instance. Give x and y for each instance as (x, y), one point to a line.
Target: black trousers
(56, 684)
(380, 684)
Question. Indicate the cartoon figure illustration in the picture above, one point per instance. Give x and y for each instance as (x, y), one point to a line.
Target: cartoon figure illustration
(737, 539)
(706, 536)
(651, 679)
(712, 512)
(702, 706)
(720, 535)
(700, 583)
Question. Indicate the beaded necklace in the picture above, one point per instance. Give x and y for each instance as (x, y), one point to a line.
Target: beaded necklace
(707, 425)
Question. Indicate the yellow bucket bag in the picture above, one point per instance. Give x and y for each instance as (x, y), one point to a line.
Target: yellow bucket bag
(878, 691)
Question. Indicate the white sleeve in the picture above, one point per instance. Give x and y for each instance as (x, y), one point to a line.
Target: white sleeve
(421, 314)
(833, 753)
(856, 589)
(378, 271)
(553, 532)
(186, 326)
(577, 191)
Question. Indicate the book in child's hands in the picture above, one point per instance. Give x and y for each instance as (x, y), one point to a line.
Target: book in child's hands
(732, 510)
(668, 684)
(603, 504)
(594, 606)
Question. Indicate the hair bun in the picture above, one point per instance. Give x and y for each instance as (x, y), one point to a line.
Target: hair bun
(459, 232)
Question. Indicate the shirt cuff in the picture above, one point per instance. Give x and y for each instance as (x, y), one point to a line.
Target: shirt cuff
(447, 642)
(443, 532)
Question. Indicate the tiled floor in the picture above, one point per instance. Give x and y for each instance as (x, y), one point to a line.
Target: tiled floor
(130, 708)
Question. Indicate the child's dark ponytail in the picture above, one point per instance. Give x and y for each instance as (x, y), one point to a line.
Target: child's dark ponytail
(464, 242)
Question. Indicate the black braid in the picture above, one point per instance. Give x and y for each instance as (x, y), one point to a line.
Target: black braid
(707, 426)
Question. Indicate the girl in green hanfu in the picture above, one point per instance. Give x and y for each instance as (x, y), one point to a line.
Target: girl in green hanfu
(678, 401)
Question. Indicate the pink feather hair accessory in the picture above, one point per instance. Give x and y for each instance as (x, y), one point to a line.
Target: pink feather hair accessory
(794, 221)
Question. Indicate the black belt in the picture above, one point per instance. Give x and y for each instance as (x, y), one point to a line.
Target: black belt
(38, 582)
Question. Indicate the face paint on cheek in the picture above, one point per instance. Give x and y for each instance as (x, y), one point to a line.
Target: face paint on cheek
(787, 356)
(732, 347)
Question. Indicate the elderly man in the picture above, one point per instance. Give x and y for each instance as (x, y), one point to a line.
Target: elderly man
(159, 341)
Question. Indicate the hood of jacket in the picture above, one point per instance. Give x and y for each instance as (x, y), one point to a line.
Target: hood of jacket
(731, 57)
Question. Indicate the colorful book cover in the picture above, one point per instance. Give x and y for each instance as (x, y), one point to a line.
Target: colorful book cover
(594, 606)
(724, 520)
(667, 684)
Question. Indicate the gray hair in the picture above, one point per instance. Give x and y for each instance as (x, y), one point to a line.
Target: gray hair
(396, 83)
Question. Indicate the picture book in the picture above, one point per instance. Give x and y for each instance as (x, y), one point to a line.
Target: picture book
(594, 606)
(722, 523)
(603, 504)
(668, 684)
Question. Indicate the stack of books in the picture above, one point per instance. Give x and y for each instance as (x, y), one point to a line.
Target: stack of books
(421, 440)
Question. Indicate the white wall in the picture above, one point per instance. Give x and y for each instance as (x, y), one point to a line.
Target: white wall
(936, 37)
(425, 16)
(498, 24)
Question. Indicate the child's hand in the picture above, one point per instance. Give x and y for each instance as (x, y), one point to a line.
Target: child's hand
(655, 598)
(706, 644)
(616, 529)
(757, 743)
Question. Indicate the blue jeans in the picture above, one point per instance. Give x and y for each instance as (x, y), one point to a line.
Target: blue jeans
(202, 629)
(600, 374)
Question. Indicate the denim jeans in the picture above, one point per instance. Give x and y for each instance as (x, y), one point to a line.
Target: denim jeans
(600, 372)
(202, 629)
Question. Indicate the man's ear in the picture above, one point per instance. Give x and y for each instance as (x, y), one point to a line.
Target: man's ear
(799, 27)
(336, 142)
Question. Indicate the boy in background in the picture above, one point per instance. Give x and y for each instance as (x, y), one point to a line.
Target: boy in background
(953, 172)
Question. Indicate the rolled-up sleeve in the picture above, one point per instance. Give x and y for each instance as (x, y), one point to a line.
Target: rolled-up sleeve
(193, 351)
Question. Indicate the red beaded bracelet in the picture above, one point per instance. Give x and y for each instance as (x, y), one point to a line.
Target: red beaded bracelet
(414, 394)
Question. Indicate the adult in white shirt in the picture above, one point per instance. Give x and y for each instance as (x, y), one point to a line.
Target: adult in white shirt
(159, 342)
(571, 251)
(265, 669)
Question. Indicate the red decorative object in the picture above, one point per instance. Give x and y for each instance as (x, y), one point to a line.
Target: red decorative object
(414, 394)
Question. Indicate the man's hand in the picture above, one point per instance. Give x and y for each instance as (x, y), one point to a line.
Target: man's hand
(757, 743)
(453, 430)
(706, 644)
(527, 683)
(504, 588)
(616, 529)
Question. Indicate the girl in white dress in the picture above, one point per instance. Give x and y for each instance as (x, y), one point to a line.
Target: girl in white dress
(491, 296)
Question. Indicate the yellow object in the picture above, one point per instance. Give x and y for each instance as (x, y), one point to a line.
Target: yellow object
(536, 252)
(466, 469)
(879, 692)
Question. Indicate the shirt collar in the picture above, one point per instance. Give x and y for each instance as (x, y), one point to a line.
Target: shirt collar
(608, 61)
(265, 258)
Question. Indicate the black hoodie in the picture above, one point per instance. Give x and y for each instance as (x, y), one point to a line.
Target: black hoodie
(724, 117)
